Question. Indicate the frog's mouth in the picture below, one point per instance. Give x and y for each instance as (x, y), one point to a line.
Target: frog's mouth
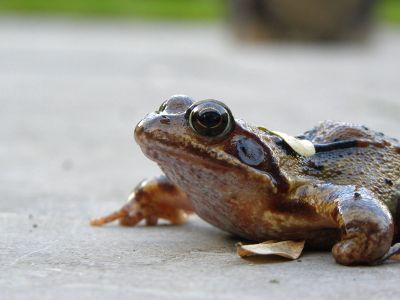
(169, 151)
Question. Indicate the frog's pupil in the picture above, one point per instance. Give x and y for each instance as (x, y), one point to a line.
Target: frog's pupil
(209, 118)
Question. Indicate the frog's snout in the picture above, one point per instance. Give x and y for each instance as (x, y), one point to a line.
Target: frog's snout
(143, 126)
(138, 131)
(169, 115)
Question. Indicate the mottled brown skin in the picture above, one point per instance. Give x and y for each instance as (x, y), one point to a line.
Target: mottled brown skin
(252, 184)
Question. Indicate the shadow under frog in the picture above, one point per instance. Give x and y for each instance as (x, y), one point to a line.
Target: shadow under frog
(250, 182)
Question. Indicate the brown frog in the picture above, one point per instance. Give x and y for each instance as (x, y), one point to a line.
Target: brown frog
(254, 183)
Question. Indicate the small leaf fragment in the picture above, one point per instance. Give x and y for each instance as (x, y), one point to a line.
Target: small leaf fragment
(393, 253)
(301, 147)
(287, 249)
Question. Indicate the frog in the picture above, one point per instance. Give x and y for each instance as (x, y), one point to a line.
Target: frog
(253, 183)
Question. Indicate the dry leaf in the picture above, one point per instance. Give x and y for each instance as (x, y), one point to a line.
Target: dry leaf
(301, 147)
(395, 251)
(288, 249)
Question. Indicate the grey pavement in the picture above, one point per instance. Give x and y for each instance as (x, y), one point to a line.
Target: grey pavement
(70, 93)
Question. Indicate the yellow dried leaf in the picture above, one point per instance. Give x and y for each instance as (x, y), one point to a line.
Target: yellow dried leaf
(301, 147)
(288, 249)
(395, 257)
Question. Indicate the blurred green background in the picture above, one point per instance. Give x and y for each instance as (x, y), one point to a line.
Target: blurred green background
(387, 10)
(154, 9)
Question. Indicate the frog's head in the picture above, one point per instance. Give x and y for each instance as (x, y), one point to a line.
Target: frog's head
(195, 142)
(225, 166)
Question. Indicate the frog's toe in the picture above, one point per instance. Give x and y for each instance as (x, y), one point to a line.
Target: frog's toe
(151, 220)
(152, 214)
(151, 200)
(348, 252)
(359, 250)
(118, 215)
(133, 217)
(128, 215)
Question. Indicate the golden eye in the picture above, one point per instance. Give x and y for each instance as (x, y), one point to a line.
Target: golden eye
(210, 118)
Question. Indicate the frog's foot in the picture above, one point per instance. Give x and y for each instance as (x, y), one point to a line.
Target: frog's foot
(365, 222)
(151, 200)
(367, 228)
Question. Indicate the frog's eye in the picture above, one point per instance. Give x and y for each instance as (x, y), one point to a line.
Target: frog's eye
(210, 118)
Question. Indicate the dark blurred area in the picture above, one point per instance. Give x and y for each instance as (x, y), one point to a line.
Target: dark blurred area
(304, 19)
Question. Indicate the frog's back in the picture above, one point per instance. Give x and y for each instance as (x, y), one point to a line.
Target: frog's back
(333, 131)
(357, 156)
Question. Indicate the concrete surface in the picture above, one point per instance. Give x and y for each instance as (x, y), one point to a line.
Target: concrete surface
(70, 93)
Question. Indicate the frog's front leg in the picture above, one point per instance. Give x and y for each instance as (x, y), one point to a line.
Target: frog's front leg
(150, 200)
(366, 223)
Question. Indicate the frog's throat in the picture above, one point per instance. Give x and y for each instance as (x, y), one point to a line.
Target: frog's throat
(185, 150)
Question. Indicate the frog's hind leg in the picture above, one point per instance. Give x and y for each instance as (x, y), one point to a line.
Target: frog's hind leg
(367, 228)
(151, 200)
(365, 222)
(395, 249)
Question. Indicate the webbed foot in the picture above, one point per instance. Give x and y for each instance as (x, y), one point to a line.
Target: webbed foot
(367, 228)
(151, 200)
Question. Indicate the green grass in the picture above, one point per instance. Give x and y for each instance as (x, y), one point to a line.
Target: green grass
(387, 10)
(157, 9)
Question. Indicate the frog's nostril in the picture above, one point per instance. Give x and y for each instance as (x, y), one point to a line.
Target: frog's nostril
(165, 120)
